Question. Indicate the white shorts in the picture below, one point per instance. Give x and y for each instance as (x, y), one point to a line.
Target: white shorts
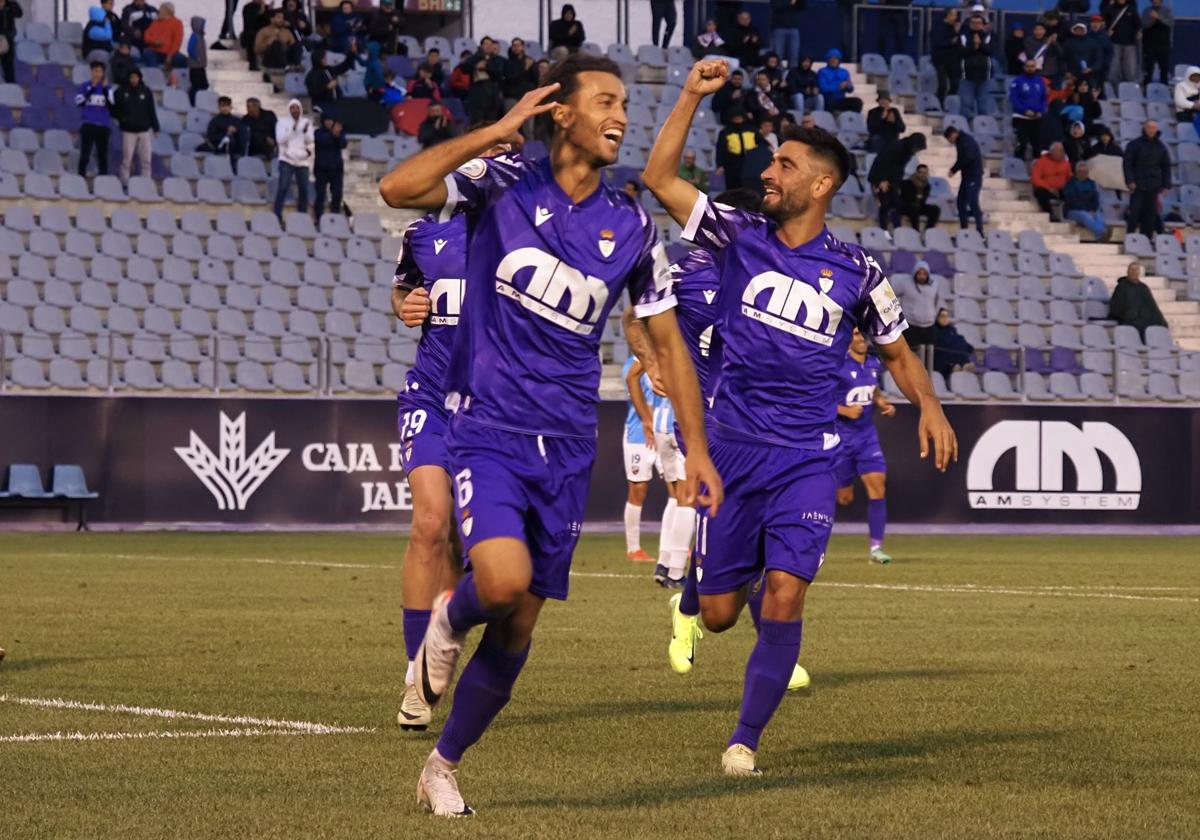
(670, 458)
(640, 461)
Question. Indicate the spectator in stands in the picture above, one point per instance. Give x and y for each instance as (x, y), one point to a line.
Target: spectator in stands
(1043, 49)
(1057, 25)
(485, 100)
(373, 77)
(1075, 144)
(114, 22)
(227, 33)
(97, 35)
(1132, 303)
(274, 46)
(344, 27)
(1098, 35)
(1187, 95)
(433, 61)
(1147, 174)
(1157, 22)
(164, 40)
(1104, 145)
(1027, 94)
(977, 52)
(567, 32)
(946, 53)
(914, 200)
(294, 140)
(135, 19)
(662, 12)
(133, 106)
(732, 95)
(436, 128)
(709, 42)
(394, 91)
(833, 80)
(786, 18)
(734, 141)
(632, 189)
(744, 41)
(804, 87)
(522, 74)
(951, 351)
(1049, 175)
(197, 59)
(10, 10)
(1081, 203)
(322, 80)
(1081, 54)
(329, 167)
(773, 69)
(1084, 96)
(884, 124)
(423, 86)
(765, 103)
(1014, 48)
(460, 77)
(969, 162)
(767, 135)
(887, 174)
(259, 129)
(693, 174)
(255, 16)
(121, 64)
(922, 295)
(297, 21)
(225, 133)
(384, 27)
(1125, 29)
(95, 101)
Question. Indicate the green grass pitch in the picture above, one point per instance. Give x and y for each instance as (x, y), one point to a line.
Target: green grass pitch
(978, 687)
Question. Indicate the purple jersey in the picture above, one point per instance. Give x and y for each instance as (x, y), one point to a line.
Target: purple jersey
(544, 273)
(695, 281)
(857, 383)
(785, 320)
(433, 255)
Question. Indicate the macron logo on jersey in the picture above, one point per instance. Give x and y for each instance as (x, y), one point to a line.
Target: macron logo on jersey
(550, 282)
(445, 300)
(710, 295)
(540, 215)
(438, 245)
(788, 297)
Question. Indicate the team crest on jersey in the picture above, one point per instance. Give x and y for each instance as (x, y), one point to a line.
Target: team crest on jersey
(474, 169)
(826, 272)
(607, 243)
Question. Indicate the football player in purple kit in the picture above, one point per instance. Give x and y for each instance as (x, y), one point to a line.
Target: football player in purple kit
(790, 296)
(427, 292)
(550, 248)
(860, 453)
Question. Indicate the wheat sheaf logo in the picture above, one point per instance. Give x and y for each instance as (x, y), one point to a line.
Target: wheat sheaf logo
(231, 477)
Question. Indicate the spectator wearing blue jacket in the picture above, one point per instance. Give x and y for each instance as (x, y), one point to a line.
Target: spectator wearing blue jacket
(1081, 203)
(833, 80)
(970, 164)
(95, 100)
(1027, 93)
(98, 33)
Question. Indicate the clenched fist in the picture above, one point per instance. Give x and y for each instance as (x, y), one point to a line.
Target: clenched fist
(707, 76)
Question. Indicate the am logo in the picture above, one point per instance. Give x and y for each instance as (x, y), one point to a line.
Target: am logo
(794, 306)
(551, 283)
(1042, 448)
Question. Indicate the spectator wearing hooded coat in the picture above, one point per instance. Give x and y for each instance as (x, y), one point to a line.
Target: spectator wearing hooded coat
(133, 106)
(922, 295)
(322, 80)
(97, 34)
(567, 31)
(887, 174)
(121, 64)
(1075, 143)
(1105, 145)
(1081, 55)
(1187, 95)
(373, 77)
(197, 58)
(294, 140)
(804, 87)
(833, 80)
(951, 351)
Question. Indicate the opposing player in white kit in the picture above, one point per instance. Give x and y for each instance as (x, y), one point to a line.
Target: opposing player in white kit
(637, 445)
(678, 523)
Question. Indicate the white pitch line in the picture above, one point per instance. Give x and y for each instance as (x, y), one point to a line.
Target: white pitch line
(141, 736)
(994, 590)
(257, 560)
(300, 726)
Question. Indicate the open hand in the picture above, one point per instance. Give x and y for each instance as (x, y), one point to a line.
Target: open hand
(935, 428)
(700, 471)
(530, 105)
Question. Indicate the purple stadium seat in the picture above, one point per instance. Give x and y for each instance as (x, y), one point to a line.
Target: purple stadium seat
(903, 262)
(455, 106)
(401, 65)
(66, 116)
(1064, 359)
(7, 122)
(999, 359)
(36, 119)
(939, 263)
(41, 96)
(1035, 360)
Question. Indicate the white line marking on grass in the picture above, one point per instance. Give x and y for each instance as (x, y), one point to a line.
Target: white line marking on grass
(141, 736)
(299, 726)
(217, 559)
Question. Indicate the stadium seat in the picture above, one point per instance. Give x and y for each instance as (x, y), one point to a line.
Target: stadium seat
(288, 376)
(998, 386)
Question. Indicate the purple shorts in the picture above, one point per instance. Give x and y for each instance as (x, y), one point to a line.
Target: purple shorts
(859, 455)
(529, 487)
(422, 423)
(777, 514)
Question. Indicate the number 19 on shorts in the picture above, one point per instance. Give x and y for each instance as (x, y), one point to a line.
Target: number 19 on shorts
(412, 423)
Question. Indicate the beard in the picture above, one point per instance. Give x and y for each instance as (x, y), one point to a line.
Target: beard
(786, 207)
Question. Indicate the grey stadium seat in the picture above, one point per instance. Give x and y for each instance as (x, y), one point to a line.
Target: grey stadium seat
(1064, 386)
(139, 374)
(28, 373)
(966, 385)
(360, 376)
(177, 375)
(252, 376)
(287, 376)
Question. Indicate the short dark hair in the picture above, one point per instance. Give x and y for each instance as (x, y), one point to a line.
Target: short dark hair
(224, 100)
(950, 129)
(742, 199)
(431, 51)
(96, 64)
(824, 145)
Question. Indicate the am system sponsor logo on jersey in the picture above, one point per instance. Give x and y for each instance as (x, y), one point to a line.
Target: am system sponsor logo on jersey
(445, 299)
(794, 306)
(549, 285)
(1041, 450)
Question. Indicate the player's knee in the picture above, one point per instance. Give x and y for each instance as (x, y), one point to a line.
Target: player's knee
(430, 529)
(718, 619)
(637, 492)
(502, 593)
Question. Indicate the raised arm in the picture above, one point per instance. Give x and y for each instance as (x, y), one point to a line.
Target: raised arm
(913, 381)
(661, 176)
(419, 182)
(679, 378)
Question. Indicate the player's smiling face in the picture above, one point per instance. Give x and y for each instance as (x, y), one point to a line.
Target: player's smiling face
(858, 343)
(793, 181)
(594, 120)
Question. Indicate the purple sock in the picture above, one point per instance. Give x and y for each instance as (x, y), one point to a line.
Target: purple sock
(876, 520)
(767, 673)
(416, 622)
(689, 601)
(465, 610)
(754, 603)
(482, 691)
